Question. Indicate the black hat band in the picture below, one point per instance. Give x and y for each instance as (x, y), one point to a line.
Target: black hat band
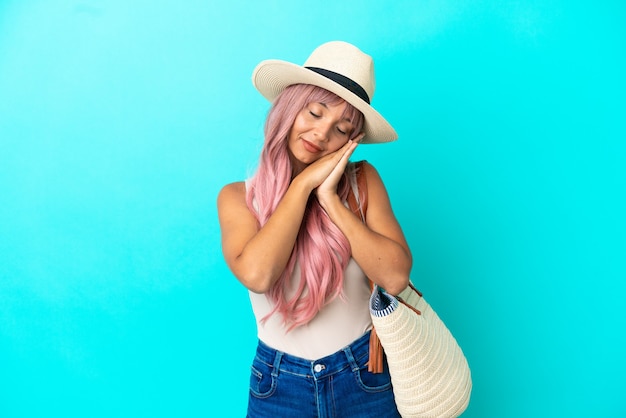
(343, 81)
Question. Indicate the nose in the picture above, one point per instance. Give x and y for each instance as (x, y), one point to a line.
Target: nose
(322, 131)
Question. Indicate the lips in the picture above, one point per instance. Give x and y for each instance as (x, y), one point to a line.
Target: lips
(310, 147)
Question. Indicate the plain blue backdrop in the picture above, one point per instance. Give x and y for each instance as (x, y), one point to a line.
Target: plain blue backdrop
(120, 121)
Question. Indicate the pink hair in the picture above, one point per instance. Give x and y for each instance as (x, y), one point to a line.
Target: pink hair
(321, 249)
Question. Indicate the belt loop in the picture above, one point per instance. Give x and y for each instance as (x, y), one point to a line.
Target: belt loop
(276, 365)
(351, 360)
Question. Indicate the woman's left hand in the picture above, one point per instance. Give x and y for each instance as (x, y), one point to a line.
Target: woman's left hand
(328, 188)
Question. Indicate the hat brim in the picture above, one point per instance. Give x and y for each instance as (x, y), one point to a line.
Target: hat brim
(271, 77)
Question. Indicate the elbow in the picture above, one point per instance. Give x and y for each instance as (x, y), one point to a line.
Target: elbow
(393, 277)
(397, 284)
(257, 282)
(255, 277)
(398, 279)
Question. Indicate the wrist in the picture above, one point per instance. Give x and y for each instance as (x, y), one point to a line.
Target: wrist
(300, 184)
(329, 202)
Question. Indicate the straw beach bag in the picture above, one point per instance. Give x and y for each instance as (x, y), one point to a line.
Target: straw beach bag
(429, 373)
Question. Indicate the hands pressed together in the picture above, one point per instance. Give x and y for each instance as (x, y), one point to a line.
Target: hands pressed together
(324, 174)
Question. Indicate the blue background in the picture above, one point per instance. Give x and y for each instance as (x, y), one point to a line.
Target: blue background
(120, 121)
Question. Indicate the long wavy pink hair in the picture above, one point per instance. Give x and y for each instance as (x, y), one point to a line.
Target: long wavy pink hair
(321, 249)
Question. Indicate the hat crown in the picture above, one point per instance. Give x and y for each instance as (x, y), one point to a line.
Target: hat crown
(347, 60)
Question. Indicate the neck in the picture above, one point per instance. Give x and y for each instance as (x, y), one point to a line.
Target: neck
(297, 167)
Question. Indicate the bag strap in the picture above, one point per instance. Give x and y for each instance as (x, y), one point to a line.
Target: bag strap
(357, 200)
(408, 305)
(375, 362)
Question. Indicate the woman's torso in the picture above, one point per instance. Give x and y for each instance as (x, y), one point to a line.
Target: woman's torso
(339, 323)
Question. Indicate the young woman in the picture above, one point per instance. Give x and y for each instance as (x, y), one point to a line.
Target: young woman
(289, 236)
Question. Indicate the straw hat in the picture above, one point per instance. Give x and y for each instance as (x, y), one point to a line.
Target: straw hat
(338, 67)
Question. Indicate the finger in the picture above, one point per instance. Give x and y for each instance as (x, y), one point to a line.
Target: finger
(337, 155)
(343, 161)
(350, 150)
(359, 137)
(349, 147)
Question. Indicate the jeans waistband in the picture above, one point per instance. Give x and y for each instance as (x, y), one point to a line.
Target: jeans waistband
(348, 357)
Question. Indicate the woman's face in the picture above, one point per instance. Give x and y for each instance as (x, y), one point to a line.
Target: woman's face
(319, 129)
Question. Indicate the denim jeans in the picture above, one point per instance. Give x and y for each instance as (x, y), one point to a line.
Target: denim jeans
(336, 386)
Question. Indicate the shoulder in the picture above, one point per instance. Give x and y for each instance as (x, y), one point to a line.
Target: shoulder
(232, 208)
(236, 187)
(364, 168)
(232, 193)
(376, 189)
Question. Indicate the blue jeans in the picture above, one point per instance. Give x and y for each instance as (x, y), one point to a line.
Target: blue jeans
(336, 386)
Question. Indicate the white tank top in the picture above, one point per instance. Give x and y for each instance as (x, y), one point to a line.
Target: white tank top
(337, 325)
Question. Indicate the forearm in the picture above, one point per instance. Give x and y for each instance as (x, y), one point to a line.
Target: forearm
(265, 256)
(385, 261)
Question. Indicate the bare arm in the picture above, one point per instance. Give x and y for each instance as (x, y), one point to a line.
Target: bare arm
(258, 256)
(379, 246)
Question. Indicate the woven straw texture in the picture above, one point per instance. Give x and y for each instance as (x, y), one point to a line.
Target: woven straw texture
(429, 373)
